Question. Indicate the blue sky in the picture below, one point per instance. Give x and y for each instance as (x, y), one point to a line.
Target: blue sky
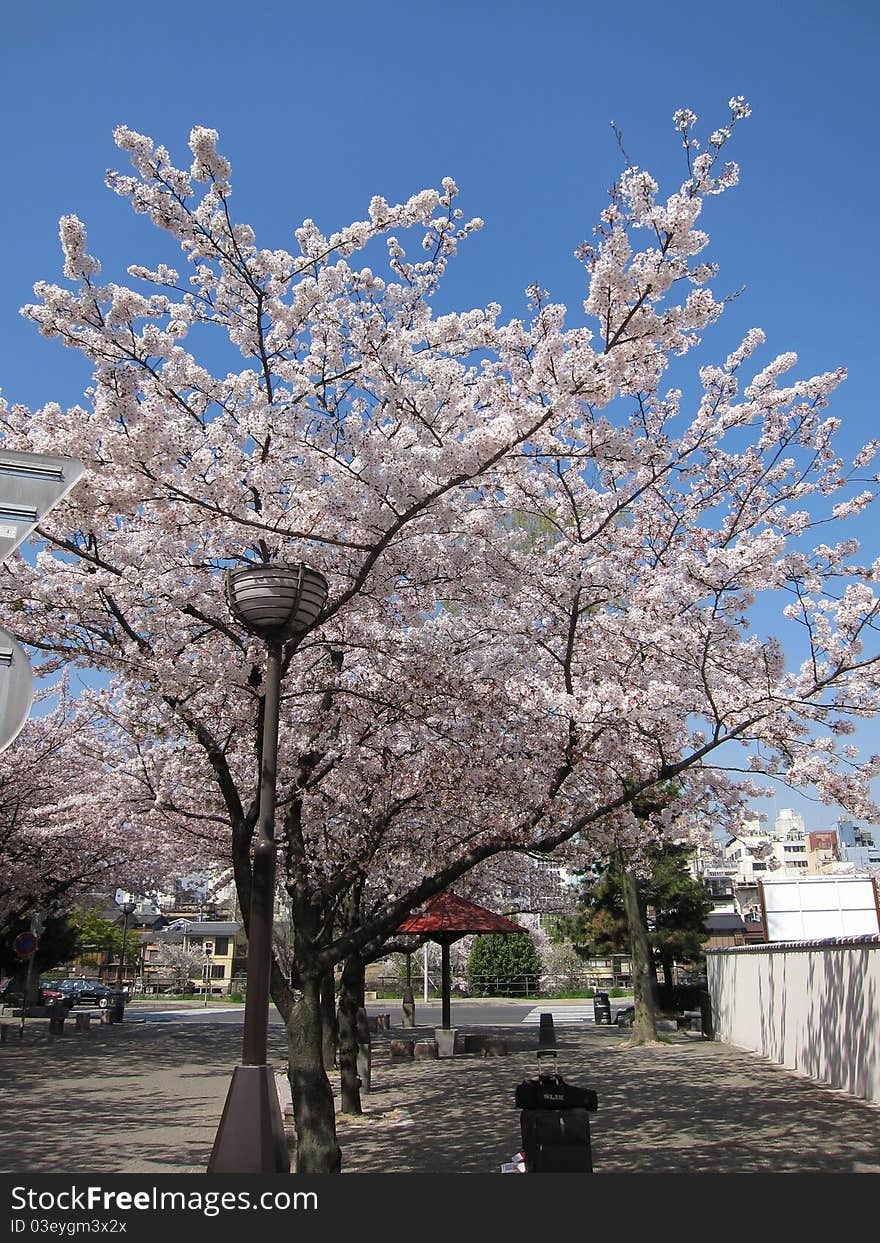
(321, 108)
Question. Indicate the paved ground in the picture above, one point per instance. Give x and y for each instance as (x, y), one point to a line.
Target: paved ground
(146, 1098)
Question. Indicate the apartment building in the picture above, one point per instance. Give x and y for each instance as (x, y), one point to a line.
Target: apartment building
(218, 950)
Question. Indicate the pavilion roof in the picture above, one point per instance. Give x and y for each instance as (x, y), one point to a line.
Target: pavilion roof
(446, 913)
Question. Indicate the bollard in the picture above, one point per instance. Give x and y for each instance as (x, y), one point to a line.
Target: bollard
(409, 1008)
(365, 1051)
(546, 1035)
(707, 1026)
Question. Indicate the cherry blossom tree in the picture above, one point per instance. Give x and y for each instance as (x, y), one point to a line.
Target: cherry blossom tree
(182, 965)
(469, 690)
(65, 829)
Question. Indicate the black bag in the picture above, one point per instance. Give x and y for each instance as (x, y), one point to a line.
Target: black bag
(552, 1092)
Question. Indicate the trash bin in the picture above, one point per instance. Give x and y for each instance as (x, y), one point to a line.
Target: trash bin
(58, 1012)
(601, 1008)
(555, 1125)
(115, 1006)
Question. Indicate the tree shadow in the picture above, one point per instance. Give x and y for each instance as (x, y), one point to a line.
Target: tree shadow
(147, 1098)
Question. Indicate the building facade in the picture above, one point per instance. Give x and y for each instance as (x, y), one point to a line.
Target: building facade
(195, 955)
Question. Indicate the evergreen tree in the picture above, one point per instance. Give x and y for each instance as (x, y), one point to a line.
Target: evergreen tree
(673, 905)
(507, 963)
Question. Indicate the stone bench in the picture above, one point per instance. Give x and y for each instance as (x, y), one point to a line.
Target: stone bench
(424, 1049)
(485, 1046)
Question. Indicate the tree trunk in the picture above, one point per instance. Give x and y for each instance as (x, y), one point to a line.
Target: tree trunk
(668, 962)
(329, 1033)
(351, 999)
(317, 1150)
(644, 1028)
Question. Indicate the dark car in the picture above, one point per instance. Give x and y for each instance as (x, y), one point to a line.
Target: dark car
(82, 990)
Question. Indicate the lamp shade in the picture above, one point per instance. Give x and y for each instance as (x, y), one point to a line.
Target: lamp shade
(276, 601)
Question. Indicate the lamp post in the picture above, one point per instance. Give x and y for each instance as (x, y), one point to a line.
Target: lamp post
(276, 603)
(127, 909)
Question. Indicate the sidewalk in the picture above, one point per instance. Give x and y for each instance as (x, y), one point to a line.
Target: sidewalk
(147, 1098)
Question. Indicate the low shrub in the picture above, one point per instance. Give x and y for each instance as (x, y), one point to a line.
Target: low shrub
(672, 999)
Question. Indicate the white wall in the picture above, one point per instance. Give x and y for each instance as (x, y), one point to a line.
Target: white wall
(818, 908)
(811, 1006)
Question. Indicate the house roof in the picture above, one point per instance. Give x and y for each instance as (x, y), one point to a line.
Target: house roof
(447, 914)
(212, 928)
(165, 935)
(725, 922)
(179, 929)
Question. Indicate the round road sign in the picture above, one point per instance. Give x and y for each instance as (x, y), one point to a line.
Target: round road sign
(25, 944)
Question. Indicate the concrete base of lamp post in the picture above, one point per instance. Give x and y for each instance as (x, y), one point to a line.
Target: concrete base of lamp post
(250, 1138)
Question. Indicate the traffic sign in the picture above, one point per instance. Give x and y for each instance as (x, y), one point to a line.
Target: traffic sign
(25, 944)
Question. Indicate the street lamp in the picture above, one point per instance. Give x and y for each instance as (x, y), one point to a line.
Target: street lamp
(277, 603)
(127, 909)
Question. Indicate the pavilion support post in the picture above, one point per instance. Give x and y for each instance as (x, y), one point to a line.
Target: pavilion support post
(446, 984)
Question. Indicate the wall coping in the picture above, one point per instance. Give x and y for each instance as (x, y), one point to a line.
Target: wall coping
(764, 947)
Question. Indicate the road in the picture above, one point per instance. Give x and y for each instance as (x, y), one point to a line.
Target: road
(472, 1012)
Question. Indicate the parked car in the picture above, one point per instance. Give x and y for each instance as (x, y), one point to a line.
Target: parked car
(11, 994)
(82, 990)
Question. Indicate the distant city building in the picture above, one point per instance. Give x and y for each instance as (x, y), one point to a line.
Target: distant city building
(857, 846)
(787, 849)
(758, 850)
(823, 851)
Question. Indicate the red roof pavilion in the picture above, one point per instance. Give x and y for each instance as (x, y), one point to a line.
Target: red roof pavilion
(447, 915)
(446, 918)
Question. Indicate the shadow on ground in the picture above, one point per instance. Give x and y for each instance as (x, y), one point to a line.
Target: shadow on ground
(689, 1106)
(128, 1098)
(147, 1098)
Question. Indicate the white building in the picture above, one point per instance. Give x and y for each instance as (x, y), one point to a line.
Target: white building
(784, 850)
(758, 849)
